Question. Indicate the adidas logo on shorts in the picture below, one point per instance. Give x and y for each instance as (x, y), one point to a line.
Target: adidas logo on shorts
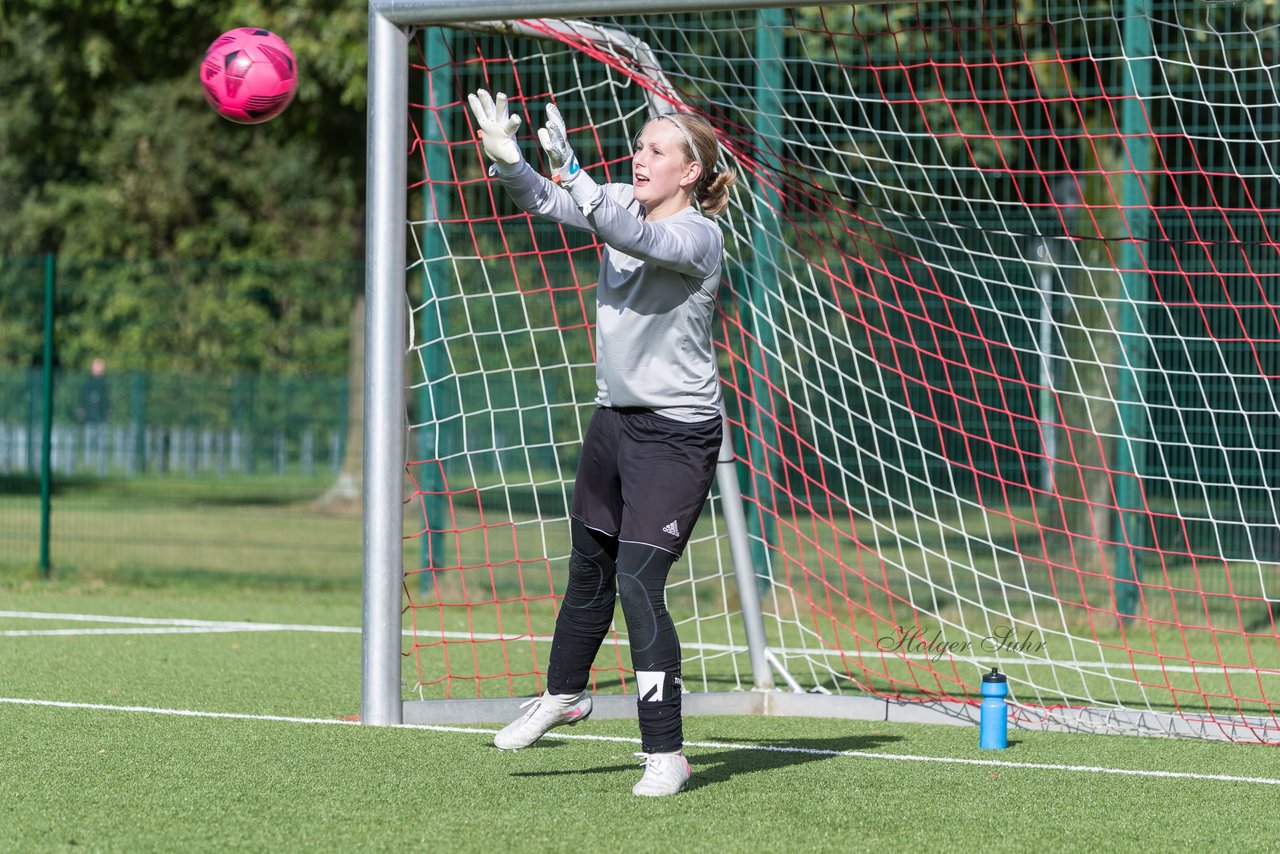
(671, 528)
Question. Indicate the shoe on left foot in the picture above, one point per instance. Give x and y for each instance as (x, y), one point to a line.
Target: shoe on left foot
(545, 712)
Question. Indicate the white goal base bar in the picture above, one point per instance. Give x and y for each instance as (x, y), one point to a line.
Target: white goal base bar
(1239, 728)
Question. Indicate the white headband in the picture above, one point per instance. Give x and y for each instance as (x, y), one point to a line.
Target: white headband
(688, 139)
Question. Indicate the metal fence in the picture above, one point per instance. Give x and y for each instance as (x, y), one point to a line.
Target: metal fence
(173, 424)
(136, 395)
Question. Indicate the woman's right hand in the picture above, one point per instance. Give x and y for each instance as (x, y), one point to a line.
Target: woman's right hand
(497, 127)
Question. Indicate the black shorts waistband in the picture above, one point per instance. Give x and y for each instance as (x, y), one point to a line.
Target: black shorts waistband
(649, 410)
(631, 410)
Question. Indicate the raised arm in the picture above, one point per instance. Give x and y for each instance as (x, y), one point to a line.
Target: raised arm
(688, 245)
(531, 191)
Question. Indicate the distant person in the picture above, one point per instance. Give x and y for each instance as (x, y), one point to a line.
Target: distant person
(91, 408)
(92, 411)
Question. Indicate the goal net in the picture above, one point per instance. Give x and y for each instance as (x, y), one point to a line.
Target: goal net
(998, 332)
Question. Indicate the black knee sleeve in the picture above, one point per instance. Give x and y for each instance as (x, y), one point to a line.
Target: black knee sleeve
(591, 574)
(655, 648)
(586, 611)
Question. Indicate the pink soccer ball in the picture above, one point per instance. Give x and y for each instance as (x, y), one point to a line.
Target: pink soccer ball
(249, 75)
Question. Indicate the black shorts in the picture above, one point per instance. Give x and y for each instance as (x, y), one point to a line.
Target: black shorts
(644, 478)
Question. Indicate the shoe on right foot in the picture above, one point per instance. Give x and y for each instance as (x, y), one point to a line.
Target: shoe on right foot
(664, 774)
(545, 713)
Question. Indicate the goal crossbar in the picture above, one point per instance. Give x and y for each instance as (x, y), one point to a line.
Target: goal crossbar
(428, 12)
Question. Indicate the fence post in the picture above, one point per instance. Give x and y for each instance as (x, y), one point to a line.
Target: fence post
(138, 417)
(1131, 516)
(46, 433)
(435, 286)
(764, 297)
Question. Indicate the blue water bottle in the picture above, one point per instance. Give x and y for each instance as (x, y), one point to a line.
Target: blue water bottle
(993, 726)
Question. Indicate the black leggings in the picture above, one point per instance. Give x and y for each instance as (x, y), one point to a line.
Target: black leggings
(601, 570)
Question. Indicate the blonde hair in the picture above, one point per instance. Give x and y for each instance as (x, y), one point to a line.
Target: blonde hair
(702, 146)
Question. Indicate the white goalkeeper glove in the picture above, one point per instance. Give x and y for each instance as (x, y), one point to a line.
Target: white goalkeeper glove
(555, 141)
(497, 128)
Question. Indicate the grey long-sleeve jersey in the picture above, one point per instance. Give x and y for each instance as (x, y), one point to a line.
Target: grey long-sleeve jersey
(654, 300)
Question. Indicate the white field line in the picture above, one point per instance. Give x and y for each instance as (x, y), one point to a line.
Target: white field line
(708, 745)
(157, 625)
(164, 630)
(167, 622)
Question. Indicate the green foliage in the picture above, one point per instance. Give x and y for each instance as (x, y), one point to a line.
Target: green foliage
(284, 318)
(21, 309)
(108, 151)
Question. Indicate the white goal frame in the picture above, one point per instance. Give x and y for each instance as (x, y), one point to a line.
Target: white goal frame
(391, 23)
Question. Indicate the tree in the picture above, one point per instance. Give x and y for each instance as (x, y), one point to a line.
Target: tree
(109, 150)
(108, 154)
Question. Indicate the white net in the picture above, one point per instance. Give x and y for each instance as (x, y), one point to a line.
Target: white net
(998, 332)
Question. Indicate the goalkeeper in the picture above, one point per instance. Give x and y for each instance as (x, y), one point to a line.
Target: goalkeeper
(651, 447)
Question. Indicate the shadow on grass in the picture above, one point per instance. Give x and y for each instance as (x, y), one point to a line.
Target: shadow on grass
(25, 486)
(761, 755)
(768, 754)
(211, 581)
(171, 492)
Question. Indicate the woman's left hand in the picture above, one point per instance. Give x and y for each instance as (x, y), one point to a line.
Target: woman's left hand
(555, 141)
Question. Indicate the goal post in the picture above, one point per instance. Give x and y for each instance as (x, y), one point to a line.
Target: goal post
(998, 332)
(384, 395)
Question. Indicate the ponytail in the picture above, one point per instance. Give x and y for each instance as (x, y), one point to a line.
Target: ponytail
(712, 190)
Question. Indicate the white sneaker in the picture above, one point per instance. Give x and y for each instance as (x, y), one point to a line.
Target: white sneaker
(664, 774)
(544, 713)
